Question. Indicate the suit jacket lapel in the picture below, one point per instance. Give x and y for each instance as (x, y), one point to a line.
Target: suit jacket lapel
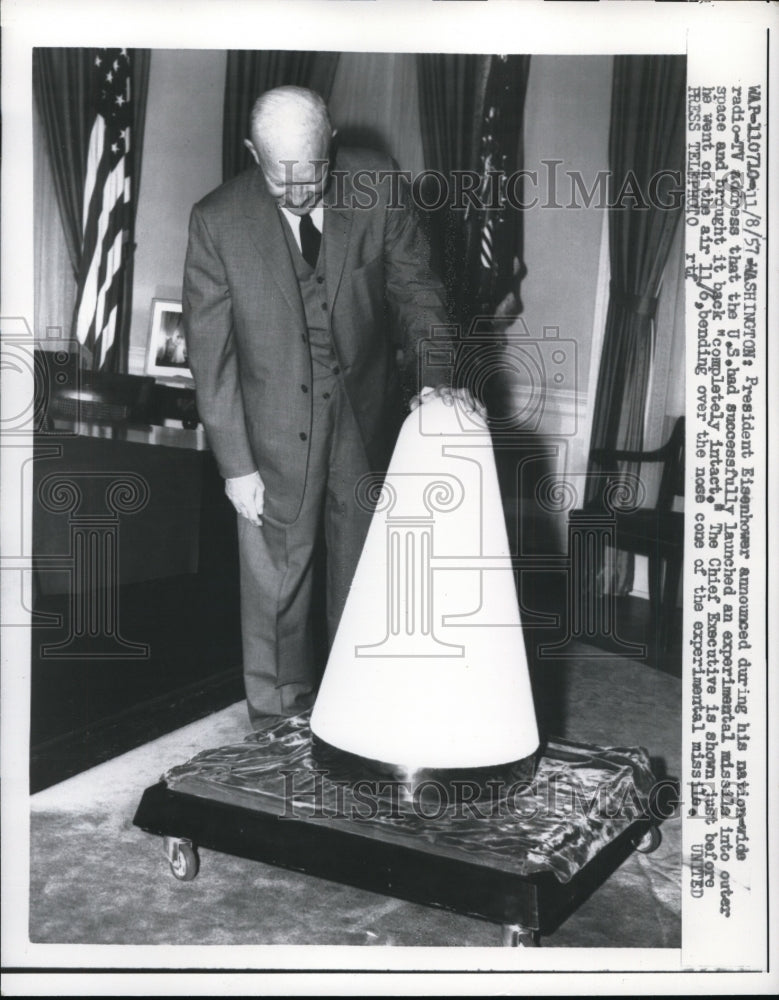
(337, 226)
(262, 216)
(264, 222)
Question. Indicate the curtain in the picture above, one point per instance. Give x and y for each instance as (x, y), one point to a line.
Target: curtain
(646, 137)
(55, 286)
(451, 99)
(140, 61)
(61, 84)
(62, 88)
(374, 104)
(249, 73)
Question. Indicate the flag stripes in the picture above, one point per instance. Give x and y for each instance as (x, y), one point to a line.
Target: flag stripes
(486, 242)
(93, 161)
(104, 226)
(497, 237)
(106, 214)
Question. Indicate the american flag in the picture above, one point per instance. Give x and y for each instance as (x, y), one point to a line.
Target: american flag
(106, 218)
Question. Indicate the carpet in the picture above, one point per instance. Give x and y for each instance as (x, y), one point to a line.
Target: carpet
(97, 879)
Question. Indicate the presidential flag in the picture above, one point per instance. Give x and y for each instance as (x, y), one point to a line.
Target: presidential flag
(496, 246)
(107, 209)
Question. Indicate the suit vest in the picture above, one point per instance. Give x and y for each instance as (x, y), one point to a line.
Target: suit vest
(313, 292)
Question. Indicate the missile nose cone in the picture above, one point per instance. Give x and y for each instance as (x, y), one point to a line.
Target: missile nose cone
(428, 668)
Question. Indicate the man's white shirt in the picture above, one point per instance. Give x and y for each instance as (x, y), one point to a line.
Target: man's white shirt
(317, 215)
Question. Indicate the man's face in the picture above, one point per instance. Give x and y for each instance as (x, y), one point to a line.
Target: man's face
(296, 171)
(296, 184)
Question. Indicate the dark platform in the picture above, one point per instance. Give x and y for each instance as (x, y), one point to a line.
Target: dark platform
(525, 859)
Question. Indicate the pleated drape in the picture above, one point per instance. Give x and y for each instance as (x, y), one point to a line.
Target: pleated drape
(61, 84)
(646, 138)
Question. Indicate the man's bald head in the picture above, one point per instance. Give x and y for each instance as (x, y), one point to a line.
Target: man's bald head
(289, 117)
(290, 133)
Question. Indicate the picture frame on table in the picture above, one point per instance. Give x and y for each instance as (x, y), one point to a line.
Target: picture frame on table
(166, 351)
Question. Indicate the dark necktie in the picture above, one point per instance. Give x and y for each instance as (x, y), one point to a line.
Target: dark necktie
(310, 240)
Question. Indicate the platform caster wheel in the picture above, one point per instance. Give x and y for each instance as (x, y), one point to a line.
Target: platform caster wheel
(182, 858)
(647, 841)
(516, 936)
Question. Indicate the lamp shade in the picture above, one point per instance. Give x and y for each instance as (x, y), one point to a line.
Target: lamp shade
(428, 667)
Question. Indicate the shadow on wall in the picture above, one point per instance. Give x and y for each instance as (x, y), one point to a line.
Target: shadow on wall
(526, 460)
(363, 137)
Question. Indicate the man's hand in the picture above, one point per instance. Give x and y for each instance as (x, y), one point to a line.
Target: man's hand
(450, 396)
(247, 495)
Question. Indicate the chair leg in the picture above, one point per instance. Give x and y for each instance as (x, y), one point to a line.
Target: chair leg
(673, 572)
(656, 617)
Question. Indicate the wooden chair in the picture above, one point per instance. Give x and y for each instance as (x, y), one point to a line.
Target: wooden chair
(655, 532)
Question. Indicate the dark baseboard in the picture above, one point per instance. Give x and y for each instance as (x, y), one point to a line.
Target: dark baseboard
(69, 753)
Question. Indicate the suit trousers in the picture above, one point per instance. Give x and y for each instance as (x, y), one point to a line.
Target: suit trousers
(277, 563)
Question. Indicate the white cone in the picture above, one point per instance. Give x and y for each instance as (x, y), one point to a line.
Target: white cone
(428, 668)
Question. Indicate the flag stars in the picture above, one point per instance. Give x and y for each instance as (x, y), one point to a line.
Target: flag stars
(113, 95)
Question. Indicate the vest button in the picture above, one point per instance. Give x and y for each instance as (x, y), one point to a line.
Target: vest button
(304, 388)
(303, 436)
(336, 370)
(320, 280)
(324, 307)
(325, 395)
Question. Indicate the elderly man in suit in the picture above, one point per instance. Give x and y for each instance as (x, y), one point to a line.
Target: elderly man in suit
(292, 272)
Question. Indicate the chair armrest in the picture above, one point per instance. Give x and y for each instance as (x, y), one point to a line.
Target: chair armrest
(606, 456)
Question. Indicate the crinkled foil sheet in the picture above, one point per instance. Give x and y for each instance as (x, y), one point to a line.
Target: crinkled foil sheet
(580, 799)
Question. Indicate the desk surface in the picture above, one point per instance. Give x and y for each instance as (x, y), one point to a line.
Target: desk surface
(179, 499)
(171, 436)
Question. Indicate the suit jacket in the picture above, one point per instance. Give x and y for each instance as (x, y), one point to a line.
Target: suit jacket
(246, 329)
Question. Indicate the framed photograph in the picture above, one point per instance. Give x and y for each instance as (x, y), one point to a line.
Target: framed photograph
(166, 353)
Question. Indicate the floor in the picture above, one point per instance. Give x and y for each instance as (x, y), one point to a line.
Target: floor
(97, 879)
